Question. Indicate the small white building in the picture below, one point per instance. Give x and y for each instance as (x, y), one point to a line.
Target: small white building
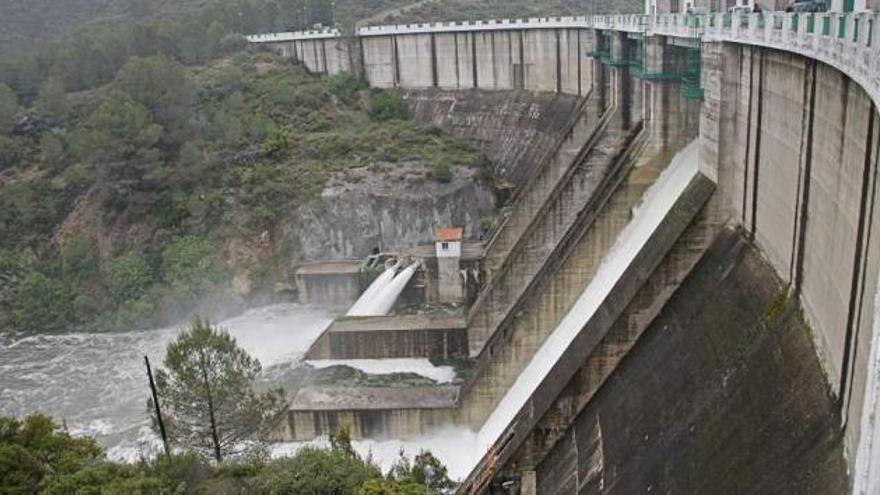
(448, 243)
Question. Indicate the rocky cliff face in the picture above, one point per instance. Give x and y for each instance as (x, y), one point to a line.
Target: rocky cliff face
(390, 208)
(394, 207)
(516, 130)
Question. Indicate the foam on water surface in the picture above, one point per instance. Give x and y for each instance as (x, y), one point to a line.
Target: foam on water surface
(97, 385)
(455, 447)
(418, 366)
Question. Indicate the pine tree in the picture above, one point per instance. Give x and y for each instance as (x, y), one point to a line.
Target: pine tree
(206, 394)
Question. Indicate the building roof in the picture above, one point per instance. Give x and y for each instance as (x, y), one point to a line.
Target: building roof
(450, 234)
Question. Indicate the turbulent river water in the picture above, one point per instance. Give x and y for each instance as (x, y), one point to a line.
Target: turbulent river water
(96, 382)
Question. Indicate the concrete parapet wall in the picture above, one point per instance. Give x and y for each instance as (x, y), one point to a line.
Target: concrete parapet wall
(552, 60)
(843, 41)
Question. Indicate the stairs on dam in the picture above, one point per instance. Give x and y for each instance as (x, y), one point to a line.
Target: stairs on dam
(571, 269)
(601, 162)
(544, 180)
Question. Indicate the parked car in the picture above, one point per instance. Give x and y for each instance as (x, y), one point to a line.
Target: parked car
(740, 9)
(807, 6)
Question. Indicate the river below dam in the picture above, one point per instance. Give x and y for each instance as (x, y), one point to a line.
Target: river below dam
(96, 384)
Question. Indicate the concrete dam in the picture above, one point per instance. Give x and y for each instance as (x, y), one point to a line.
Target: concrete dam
(683, 294)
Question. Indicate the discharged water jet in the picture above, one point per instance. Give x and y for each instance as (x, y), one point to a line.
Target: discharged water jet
(377, 286)
(386, 293)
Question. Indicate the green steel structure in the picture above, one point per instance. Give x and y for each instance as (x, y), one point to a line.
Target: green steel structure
(690, 75)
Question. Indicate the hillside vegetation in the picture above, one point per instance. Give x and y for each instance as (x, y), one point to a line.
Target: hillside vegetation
(460, 10)
(27, 25)
(36, 456)
(141, 169)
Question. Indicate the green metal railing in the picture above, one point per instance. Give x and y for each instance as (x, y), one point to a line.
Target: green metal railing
(691, 78)
(638, 65)
(870, 31)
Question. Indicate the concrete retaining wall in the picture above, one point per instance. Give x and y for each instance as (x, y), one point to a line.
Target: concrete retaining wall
(650, 255)
(382, 337)
(369, 412)
(332, 283)
(604, 359)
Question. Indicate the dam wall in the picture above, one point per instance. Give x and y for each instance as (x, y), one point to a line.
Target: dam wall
(790, 132)
(798, 152)
(542, 55)
(793, 143)
(722, 391)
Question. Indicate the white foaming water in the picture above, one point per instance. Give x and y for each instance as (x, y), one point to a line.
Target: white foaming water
(97, 385)
(381, 281)
(385, 296)
(656, 203)
(422, 367)
(455, 447)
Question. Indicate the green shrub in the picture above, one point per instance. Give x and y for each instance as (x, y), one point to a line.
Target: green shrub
(192, 268)
(28, 210)
(442, 172)
(47, 305)
(53, 152)
(130, 278)
(345, 86)
(8, 108)
(79, 261)
(12, 151)
(385, 106)
(313, 470)
(35, 450)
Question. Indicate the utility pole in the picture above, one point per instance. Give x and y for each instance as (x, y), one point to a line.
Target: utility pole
(156, 405)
